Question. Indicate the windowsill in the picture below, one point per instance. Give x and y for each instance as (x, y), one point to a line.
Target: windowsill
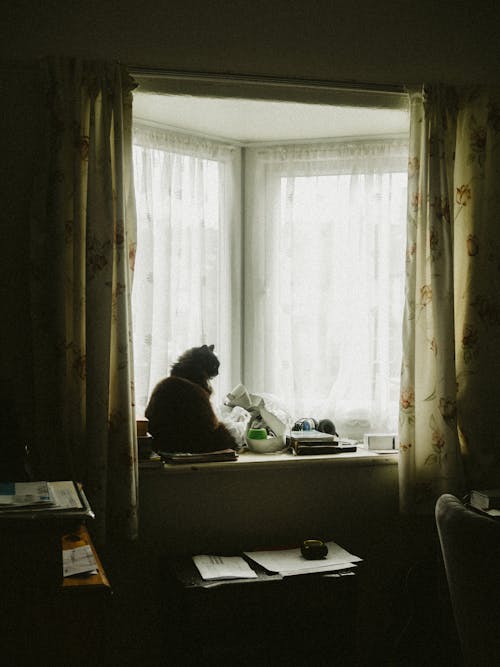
(248, 461)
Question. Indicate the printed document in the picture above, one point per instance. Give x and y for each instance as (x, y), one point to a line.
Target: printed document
(65, 495)
(78, 561)
(24, 494)
(223, 567)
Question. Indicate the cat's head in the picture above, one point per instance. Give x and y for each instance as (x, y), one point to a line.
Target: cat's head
(197, 362)
(208, 360)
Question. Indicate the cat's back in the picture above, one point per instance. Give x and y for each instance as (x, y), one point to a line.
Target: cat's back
(175, 385)
(176, 400)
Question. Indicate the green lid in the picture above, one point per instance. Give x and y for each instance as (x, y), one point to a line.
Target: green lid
(257, 434)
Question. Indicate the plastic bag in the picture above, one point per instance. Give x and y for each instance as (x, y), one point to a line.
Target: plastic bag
(265, 412)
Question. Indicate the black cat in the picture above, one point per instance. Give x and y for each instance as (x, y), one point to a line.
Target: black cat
(180, 415)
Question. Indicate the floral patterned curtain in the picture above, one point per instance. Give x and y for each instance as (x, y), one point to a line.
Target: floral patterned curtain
(82, 243)
(449, 419)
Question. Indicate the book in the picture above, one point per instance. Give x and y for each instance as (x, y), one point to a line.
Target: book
(199, 457)
(487, 499)
(306, 443)
(312, 436)
(308, 449)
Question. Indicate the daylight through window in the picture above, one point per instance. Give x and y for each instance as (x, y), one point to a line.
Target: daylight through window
(298, 283)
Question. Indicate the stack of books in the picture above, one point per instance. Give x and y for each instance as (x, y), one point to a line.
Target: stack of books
(306, 443)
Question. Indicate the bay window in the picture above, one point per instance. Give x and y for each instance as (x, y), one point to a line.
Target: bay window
(288, 257)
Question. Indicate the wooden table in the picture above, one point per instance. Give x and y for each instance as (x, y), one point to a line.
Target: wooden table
(79, 538)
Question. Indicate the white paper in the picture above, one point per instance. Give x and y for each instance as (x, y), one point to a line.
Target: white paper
(78, 561)
(223, 567)
(65, 495)
(493, 512)
(19, 494)
(314, 569)
(291, 561)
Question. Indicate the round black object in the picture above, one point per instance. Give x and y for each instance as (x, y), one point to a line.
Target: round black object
(313, 549)
(327, 426)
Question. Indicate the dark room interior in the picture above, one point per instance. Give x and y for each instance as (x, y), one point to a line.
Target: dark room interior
(396, 609)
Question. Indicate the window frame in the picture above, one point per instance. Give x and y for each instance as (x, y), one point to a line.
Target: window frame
(204, 84)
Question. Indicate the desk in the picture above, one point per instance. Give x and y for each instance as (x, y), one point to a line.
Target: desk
(62, 625)
(298, 620)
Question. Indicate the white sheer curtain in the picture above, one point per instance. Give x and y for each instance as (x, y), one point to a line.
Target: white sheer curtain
(324, 279)
(186, 284)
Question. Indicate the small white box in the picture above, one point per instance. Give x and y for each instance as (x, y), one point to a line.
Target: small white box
(380, 440)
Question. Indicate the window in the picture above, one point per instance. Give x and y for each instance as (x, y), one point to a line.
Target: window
(325, 231)
(302, 294)
(186, 282)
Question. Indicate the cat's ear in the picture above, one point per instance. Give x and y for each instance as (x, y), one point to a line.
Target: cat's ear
(204, 347)
(211, 348)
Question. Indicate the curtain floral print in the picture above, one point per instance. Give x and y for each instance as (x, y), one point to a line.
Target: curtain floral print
(82, 246)
(449, 416)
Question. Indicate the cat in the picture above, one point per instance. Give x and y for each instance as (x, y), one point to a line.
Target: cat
(180, 415)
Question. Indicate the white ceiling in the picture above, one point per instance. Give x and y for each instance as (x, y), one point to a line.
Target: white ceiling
(247, 121)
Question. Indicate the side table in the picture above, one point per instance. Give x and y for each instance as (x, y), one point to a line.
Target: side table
(62, 624)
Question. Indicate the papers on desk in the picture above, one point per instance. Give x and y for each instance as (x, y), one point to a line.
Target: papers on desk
(214, 568)
(79, 560)
(24, 494)
(289, 562)
(283, 562)
(59, 499)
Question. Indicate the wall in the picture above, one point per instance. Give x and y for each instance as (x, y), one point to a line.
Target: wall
(243, 506)
(20, 136)
(233, 508)
(396, 41)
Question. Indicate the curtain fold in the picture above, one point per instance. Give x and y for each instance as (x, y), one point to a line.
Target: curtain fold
(82, 251)
(477, 292)
(448, 423)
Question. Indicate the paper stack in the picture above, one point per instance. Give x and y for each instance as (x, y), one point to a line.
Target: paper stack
(199, 457)
(24, 494)
(21, 500)
(289, 562)
(214, 568)
(79, 560)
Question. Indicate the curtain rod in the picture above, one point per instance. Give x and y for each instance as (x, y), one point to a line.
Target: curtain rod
(259, 80)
